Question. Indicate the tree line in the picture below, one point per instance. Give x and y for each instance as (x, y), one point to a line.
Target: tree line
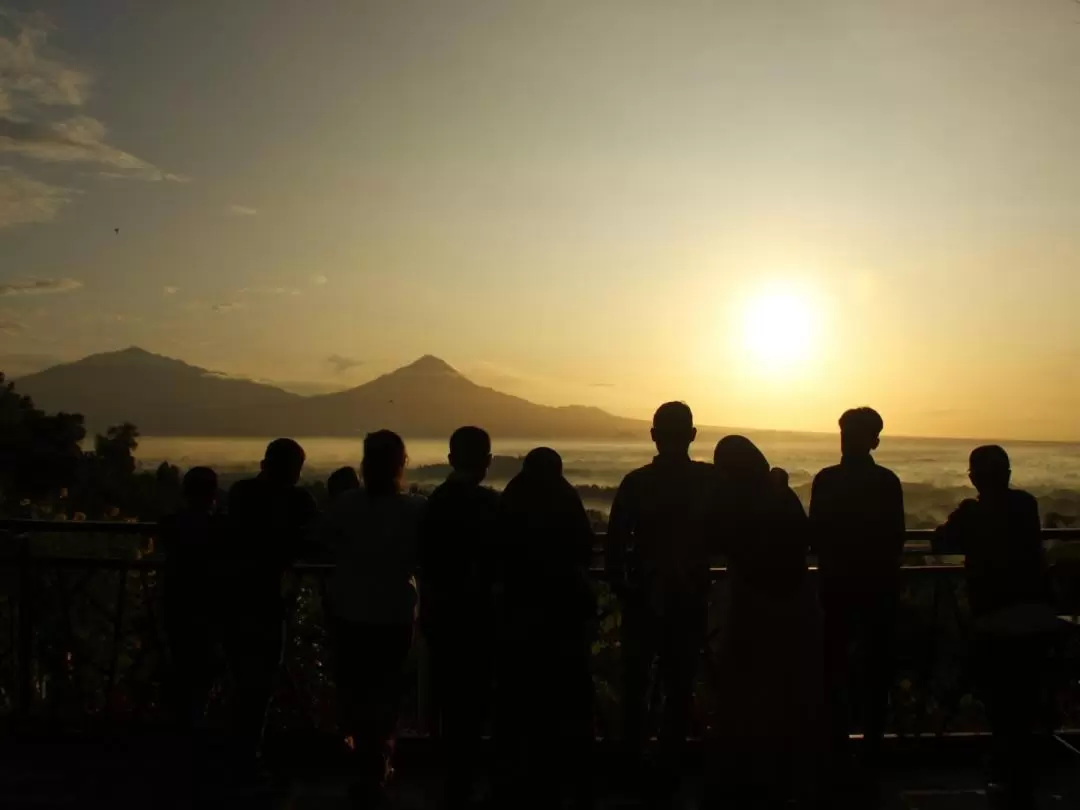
(46, 471)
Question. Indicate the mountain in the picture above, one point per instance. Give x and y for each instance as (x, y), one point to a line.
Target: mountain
(162, 396)
(425, 399)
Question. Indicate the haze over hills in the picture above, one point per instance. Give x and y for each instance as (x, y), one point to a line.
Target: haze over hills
(425, 399)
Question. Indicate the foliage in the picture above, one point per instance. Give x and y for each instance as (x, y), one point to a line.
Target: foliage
(44, 471)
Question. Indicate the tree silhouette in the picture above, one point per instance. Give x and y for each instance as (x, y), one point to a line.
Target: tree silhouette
(40, 454)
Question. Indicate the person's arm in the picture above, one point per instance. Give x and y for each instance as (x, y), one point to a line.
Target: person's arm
(815, 520)
(619, 532)
(796, 520)
(951, 536)
(583, 535)
(301, 545)
(897, 524)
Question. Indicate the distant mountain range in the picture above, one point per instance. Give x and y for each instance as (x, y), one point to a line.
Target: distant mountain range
(425, 399)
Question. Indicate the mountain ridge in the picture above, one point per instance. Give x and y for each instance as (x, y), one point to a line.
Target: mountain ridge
(426, 398)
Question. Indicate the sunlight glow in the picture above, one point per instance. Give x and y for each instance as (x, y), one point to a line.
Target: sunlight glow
(779, 331)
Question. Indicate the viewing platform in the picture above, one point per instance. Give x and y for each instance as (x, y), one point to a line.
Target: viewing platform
(83, 656)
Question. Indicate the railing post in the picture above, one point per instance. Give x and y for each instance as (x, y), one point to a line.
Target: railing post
(23, 647)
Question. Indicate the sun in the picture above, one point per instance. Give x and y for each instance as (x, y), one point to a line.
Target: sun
(779, 331)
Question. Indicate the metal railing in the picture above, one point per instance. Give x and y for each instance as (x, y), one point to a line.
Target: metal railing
(81, 638)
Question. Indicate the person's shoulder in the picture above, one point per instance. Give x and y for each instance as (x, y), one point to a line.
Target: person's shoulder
(967, 508)
(702, 468)
(636, 477)
(243, 487)
(885, 475)
(302, 497)
(412, 502)
(1022, 499)
(827, 474)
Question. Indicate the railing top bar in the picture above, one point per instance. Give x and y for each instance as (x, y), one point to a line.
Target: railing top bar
(156, 563)
(148, 529)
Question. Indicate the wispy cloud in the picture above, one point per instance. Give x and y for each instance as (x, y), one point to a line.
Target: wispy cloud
(601, 385)
(228, 306)
(170, 290)
(24, 200)
(38, 286)
(11, 327)
(268, 291)
(320, 280)
(242, 210)
(80, 139)
(40, 101)
(341, 364)
(28, 77)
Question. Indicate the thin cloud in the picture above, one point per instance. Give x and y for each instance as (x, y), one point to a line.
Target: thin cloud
(40, 99)
(39, 286)
(242, 210)
(228, 306)
(80, 139)
(320, 280)
(601, 385)
(24, 200)
(9, 327)
(170, 290)
(341, 364)
(268, 291)
(29, 78)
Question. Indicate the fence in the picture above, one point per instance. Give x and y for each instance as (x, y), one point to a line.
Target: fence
(81, 638)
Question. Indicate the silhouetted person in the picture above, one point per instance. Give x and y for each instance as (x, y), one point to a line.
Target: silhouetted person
(192, 541)
(458, 559)
(770, 726)
(545, 726)
(1008, 590)
(269, 517)
(657, 562)
(372, 533)
(341, 481)
(857, 523)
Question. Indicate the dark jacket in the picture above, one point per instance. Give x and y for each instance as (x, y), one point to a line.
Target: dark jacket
(657, 537)
(193, 544)
(458, 554)
(1005, 560)
(857, 525)
(547, 543)
(763, 532)
(268, 531)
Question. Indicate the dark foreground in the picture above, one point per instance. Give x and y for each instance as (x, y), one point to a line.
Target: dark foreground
(149, 770)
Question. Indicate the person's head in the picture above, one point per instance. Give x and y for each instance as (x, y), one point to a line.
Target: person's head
(542, 462)
(200, 489)
(989, 469)
(860, 431)
(383, 467)
(673, 427)
(341, 481)
(283, 461)
(739, 460)
(470, 451)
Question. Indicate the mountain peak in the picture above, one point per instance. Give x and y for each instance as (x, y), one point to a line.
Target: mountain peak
(132, 354)
(429, 364)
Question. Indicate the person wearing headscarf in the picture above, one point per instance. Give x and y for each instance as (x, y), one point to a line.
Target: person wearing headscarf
(770, 723)
(547, 606)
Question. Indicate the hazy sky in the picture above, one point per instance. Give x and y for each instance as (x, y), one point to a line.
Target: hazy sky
(571, 201)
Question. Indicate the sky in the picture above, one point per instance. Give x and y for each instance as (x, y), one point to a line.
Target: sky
(771, 210)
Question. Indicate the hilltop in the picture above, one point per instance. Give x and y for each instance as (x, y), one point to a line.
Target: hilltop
(427, 398)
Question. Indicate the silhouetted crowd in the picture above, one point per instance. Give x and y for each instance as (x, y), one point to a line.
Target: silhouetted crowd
(498, 584)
